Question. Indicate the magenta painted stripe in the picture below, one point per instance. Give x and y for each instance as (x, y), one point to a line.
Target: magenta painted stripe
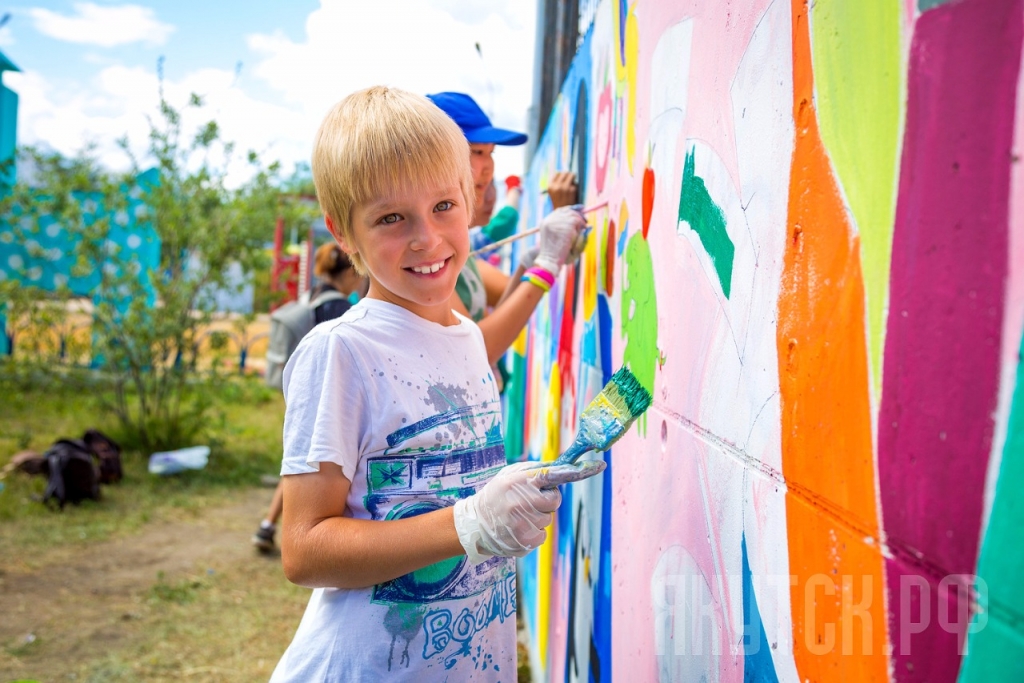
(949, 269)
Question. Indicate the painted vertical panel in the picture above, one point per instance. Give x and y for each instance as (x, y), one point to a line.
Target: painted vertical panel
(857, 75)
(823, 373)
(995, 647)
(747, 155)
(947, 294)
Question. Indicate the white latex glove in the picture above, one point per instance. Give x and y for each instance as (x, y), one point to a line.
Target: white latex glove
(508, 516)
(528, 256)
(558, 232)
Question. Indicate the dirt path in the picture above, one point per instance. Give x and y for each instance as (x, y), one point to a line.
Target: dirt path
(82, 604)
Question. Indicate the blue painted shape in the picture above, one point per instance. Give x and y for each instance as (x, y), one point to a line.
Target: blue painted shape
(623, 238)
(623, 15)
(757, 653)
(601, 645)
(604, 334)
(590, 344)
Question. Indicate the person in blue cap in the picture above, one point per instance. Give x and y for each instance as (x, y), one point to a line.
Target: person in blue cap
(481, 135)
(481, 285)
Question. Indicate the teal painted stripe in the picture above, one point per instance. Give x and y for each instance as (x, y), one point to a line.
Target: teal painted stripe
(706, 219)
(925, 5)
(996, 652)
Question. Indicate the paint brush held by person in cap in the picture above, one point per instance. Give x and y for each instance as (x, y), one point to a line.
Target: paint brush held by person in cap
(608, 417)
(534, 231)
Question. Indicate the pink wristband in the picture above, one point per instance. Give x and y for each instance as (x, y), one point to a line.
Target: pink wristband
(545, 275)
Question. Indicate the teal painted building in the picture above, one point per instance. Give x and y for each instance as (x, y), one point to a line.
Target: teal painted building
(8, 143)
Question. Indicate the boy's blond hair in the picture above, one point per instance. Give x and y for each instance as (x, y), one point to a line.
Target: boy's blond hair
(378, 140)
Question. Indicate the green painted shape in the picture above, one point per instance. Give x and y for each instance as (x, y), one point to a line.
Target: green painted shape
(639, 314)
(708, 220)
(858, 81)
(996, 652)
(515, 409)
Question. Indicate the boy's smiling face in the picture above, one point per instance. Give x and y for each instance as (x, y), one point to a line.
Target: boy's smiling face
(413, 244)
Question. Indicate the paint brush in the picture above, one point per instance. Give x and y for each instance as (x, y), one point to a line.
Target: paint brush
(526, 233)
(608, 417)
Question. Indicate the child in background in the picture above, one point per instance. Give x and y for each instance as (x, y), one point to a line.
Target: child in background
(336, 273)
(399, 509)
(480, 285)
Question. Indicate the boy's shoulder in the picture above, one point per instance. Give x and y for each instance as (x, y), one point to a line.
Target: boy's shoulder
(372, 328)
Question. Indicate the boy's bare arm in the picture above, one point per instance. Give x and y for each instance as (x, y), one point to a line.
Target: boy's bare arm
(320, 548)
(495, 282)
(504, 323)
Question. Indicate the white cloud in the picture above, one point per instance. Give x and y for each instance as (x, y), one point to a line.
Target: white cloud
(119, 99)
(346, 47)
(422, 46)
(104, 26)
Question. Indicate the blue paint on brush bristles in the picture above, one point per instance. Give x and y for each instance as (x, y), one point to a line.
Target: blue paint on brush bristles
(608, 417)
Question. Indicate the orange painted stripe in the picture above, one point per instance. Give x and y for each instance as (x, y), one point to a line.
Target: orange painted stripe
(826, 414)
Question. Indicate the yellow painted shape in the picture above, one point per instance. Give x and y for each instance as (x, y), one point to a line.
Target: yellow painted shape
(632, 61)
(858, 95)
(552, 438)
(589, 273)
(602, 249)
(545, 571)
(519, 345)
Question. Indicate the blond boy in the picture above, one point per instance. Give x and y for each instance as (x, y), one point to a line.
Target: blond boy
(398, 508)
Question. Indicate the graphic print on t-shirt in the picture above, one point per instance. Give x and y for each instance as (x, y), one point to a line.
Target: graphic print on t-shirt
(427, 466)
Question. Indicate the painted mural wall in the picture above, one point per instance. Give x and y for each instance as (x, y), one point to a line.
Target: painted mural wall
(812, 254)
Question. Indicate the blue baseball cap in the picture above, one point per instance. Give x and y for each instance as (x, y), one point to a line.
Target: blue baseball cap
(473, 121)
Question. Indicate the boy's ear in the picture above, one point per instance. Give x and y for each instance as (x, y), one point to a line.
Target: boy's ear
(338, 237)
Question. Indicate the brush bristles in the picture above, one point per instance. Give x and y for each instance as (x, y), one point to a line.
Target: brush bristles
(625, 392)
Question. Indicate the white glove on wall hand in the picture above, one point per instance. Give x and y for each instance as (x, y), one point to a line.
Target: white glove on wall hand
(508, 516)
(528, 256)
(558, 233)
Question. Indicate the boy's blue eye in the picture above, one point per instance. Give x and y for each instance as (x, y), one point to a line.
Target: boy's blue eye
(390, 219)
(444, 206)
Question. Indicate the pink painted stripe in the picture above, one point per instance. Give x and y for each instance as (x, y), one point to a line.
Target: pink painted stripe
(947, 292)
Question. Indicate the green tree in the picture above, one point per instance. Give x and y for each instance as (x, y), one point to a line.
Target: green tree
(148, 321)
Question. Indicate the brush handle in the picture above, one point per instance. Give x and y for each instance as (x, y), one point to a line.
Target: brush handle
(508, 240)
(575, 451)
(526, 233)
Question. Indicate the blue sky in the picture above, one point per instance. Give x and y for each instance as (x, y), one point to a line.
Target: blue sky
(89, 68)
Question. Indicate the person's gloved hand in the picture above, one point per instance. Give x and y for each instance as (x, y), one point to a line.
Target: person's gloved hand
(558, 232)
(528, 256)
(508, 516)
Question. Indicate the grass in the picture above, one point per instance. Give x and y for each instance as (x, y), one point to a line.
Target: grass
(226, 620)
(245, 438)
(226, 617)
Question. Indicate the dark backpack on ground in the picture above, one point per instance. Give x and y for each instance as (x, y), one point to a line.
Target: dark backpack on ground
(108, 453)
(73, 475)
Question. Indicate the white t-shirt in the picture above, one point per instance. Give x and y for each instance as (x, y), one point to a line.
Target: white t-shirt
(410, 411)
